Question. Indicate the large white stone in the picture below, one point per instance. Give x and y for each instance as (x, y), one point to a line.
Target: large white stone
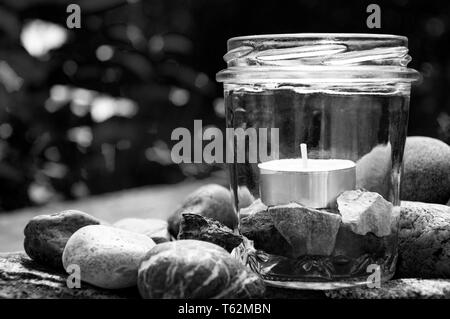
(366, 212)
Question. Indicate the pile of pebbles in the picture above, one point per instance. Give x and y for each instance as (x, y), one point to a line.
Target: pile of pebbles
(141, 252)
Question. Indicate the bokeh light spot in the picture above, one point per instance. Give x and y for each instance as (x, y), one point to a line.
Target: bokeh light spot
(179, 97)
(104, 53)
(6, 130)
(39, 37)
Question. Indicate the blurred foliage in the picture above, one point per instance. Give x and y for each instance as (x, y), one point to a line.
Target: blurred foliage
(96, 114)
(91, 110)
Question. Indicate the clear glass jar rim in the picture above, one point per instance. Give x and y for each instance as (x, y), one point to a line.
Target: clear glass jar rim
(320, 36)
(319, 57)
(317, 74)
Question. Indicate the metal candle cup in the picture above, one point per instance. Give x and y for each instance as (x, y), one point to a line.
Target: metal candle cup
(317, 185)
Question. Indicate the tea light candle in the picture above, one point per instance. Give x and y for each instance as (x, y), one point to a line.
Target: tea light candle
(314, 183)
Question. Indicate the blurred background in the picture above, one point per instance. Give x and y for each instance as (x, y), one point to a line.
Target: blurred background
(91, 110)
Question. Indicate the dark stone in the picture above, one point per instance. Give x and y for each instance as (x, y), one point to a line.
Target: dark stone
(47, 235)
(194, 269)
(194, 226)
(212, 201)
(308, 231)
(260, 228)
(265, 228)
(351, 245)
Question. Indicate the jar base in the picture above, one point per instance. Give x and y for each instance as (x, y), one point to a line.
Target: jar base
(317, 272)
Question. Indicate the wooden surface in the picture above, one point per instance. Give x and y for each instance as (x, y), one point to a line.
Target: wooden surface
(146, 202)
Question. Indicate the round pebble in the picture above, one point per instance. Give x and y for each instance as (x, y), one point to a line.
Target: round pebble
(108, 257)
(195, 269)
(47, 235)
(426, 175)
(426, 167)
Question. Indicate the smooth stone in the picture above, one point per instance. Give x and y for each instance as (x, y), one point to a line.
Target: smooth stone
(426, 171)
(255, 207)
(424, 240)
(154, 228)
(108, 257)
(47, 235)
(366, 212)
(197, 227)
(212, 201)
(192, 269)
(308, 231)
(425, 177)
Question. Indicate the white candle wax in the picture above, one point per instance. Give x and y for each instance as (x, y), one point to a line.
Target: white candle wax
(316, 184)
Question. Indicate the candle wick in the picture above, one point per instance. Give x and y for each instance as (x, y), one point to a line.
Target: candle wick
(304, 154)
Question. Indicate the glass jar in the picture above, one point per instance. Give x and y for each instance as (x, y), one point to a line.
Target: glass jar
(318, 124)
